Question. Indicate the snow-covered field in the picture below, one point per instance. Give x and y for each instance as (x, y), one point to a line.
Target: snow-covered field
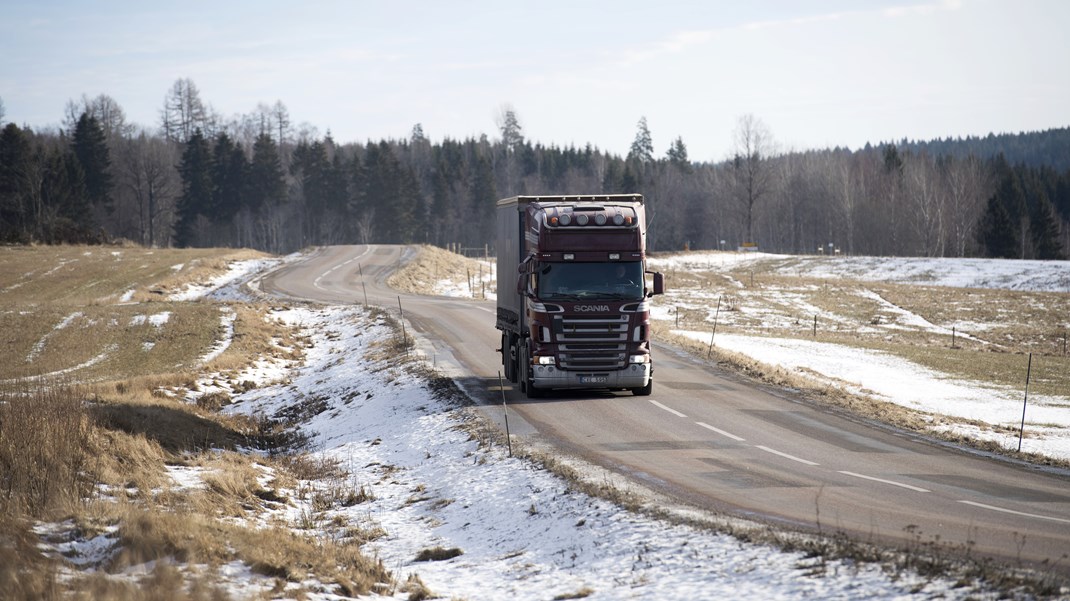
(1047, 276)
(883, 375)
(524, 533)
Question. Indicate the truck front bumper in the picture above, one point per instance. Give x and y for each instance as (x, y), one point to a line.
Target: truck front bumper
(635, 375)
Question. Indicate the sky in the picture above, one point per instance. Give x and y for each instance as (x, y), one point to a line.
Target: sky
(818, 74)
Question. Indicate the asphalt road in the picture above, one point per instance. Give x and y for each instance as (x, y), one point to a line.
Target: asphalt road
(720, 442)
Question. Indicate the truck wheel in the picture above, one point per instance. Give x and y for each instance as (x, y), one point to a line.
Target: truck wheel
(644, 390)
(524, 374)
(508, 362)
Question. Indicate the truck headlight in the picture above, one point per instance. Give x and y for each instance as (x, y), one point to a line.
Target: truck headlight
(543, 360)
(639, 359)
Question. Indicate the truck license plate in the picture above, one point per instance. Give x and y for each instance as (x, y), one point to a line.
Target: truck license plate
(594, 379)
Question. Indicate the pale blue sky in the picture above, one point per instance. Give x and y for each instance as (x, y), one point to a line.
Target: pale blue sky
(818, 73)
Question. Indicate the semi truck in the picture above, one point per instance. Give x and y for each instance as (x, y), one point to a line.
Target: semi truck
(573, 300)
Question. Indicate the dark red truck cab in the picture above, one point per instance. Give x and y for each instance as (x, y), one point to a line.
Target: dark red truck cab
(573, 301)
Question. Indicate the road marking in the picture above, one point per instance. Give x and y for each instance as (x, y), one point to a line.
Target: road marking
(892, 482)
(317, 281)
(785, 455)
(672, 411)
(1011, 511)
(719, 431)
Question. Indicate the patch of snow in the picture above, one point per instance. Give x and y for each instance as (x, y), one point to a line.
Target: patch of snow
(709, 261)
(227, 321)
(63, 540)
(127, 296)
(894, 379)
(483, 282)
(525, 534)
(186, 477)
(156, 319)
(230, 285)
(1008, 274)
(39, 346)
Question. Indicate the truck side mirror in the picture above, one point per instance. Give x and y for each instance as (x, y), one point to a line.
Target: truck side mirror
(524, 271)
(659, 283)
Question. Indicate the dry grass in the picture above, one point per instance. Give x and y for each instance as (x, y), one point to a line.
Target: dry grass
(1001, 326)
(434, 264)
(44, 444)
(94, 451)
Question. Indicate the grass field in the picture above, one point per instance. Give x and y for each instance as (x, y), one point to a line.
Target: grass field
(108, 388)
(977, 334)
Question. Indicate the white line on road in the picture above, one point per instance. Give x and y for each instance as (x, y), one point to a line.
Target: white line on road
(317, 281)
(892, 482)
(785, 455)
(720, 431)
(672, 411)
(1011, 511)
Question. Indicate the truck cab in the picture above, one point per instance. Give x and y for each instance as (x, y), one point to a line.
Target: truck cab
(575, 310)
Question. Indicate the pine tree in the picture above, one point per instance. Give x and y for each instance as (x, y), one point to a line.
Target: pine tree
(91, 147)
(230, 176)
(68, 216)
(15, 211)
(1044, 231)
(677, 155)
(642, 149)
(196, 199)
(266, 183)
(997, 234)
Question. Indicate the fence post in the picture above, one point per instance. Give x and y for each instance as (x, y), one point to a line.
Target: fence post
(505, 410)
(404, 333)
(1028, 372)
(365, 288)
(716, 315)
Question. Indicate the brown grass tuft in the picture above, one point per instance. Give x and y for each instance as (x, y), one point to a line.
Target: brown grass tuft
(438, 554)
(433, 264)
(44, 443)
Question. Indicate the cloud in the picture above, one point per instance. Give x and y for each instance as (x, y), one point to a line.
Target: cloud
(922, 9)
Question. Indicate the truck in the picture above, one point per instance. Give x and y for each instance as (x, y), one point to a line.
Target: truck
(573, 301)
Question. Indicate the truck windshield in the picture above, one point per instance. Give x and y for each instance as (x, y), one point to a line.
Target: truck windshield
(616, 280)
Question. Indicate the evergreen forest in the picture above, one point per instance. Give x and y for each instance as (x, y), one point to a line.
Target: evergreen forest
(196, 179)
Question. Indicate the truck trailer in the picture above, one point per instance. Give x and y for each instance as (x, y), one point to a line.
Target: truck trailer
(573, 300)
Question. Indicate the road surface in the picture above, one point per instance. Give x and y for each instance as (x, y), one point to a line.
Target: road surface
(718, 441)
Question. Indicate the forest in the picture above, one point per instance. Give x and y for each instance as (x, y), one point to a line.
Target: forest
(257, 180)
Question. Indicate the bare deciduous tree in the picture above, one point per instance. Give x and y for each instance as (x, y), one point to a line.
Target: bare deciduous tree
(107, 111)
(968, 184)
(753, 147)
(147, 172)
(184, 112)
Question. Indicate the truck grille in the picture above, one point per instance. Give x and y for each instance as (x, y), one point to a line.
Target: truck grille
(592, 342)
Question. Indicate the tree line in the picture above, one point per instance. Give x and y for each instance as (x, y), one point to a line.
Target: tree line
(258, 181)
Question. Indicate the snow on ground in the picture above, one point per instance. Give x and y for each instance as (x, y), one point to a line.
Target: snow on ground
(775, 310)
(227, 286)
(226, 319)
(524, 533)
(1038, 276)
(156, 319)
(1046, 276)
(701, 261)
(482, 285)
(891, 378)
(39, 346)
